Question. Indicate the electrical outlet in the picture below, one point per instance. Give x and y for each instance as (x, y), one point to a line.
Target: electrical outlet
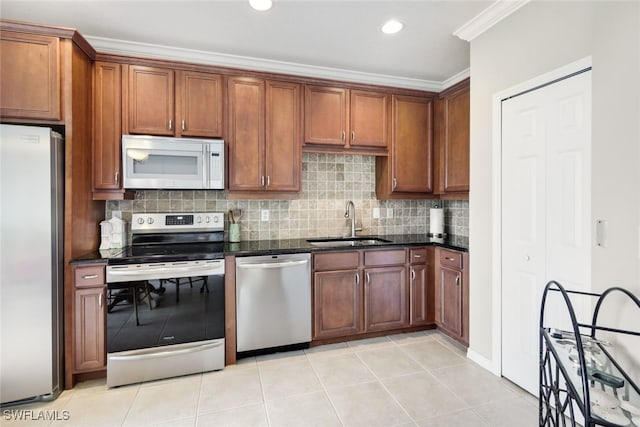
(389, 212)
(376, 213)
(264, 214)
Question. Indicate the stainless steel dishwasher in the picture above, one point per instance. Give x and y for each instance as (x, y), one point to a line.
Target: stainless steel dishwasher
(273, 301)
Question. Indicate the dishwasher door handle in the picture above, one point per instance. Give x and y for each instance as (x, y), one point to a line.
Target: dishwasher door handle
(272, 264)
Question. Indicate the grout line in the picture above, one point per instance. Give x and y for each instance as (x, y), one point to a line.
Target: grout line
(324, 390)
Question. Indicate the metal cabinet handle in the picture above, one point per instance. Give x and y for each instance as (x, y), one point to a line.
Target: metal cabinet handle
(353, 135)
(90, 276)
(357, 279)
(417, 256)
(268, 180)
(100, 300)
(395, 183)
(449, 259)
(184, 125)
(117, 177)
(413, 274)
(344, 135)
(458, 280)
(368, 279)
(262, 181)
(170, 124)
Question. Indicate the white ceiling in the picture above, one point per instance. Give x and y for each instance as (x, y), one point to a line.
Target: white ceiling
(327, 35)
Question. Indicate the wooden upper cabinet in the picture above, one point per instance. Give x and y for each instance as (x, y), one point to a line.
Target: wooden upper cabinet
(412, 144)
(369, 119)
(151, 101)
(339, 119)
(30, 70)
(408, 172)
(245, 133)
(107, 108)
(198, 104)
(452, 140)
(325, 116)
(264, 135)
(283, 159)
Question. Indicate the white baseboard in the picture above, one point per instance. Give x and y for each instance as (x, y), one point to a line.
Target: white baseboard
(485, 363)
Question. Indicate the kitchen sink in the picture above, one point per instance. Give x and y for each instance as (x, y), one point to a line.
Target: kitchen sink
(334, 242)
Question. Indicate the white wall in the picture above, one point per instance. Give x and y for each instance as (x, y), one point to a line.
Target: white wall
(538, 38)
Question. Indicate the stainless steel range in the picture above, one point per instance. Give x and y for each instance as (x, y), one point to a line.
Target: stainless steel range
(165, 295)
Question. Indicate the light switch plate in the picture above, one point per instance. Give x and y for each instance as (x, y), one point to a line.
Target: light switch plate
(376, 213)
(264, 214)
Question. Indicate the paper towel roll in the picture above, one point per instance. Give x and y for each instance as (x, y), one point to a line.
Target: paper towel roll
(436, 221)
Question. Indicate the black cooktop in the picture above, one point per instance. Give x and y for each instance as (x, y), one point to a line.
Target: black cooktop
(172, 247)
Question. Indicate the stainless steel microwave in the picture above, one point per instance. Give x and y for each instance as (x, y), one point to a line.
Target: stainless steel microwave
(151, 162)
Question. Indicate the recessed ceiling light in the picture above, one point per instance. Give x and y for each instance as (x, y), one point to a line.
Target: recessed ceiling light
(261, 4)
(392, 27)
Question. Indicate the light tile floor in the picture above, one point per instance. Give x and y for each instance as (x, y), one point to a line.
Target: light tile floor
(416, 379)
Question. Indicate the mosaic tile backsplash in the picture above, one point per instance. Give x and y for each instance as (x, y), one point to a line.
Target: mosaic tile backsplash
(328, 181)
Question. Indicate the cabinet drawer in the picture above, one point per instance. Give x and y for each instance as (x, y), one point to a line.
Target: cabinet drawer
(385, 257)
(418, 255)
(89, 276)
(451, 259)
(336, 261)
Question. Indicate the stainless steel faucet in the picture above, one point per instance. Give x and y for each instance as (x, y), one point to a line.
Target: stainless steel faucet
(352, 218)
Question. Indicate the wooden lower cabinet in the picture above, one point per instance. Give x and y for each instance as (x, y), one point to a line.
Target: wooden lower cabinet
(89, 329)
(337, 303)
(421, 286)
(452, 294)
(385, 295)
(89, 318)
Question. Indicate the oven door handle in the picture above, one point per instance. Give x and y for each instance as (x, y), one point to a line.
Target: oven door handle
(171, 269)
(272, 264)
(160, 354)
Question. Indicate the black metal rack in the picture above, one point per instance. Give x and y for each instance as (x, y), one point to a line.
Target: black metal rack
(568, 397)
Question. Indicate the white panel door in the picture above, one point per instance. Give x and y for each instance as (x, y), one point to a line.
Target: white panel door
(545, 213)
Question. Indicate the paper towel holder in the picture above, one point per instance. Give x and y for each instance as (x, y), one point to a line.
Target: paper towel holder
(437, 231)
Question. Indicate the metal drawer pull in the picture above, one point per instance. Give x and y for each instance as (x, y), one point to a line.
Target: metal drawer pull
(450, 259)
(90, 276)
(417, 256)
(160, 354)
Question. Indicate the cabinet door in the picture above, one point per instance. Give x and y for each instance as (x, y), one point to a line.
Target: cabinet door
(30, 70)
(246, 133)
(283, 138)
(419, 295)
(107, 110)
(151, 101)
(385, 298)
(325, 116)
(89, 329)
(337, 304)
(199, 104)
(451, 300)
(455, 166)
(412, 145)
(369, 119)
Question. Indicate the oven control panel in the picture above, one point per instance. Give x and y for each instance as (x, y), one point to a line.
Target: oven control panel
(188, 221)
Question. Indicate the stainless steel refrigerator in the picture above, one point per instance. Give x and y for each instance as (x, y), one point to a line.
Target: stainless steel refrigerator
(31, 263)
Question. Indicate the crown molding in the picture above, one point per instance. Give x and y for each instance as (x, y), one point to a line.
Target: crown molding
(488, 18)
(455, 79)
(128, 48)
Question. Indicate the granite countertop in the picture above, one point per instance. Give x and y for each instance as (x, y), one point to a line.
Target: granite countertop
(268, 247)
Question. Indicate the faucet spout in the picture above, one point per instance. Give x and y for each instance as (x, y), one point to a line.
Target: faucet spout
(350, 206)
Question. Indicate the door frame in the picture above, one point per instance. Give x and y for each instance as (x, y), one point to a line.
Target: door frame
(495, 363)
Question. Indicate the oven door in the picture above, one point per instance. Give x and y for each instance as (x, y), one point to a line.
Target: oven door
(166, 326)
